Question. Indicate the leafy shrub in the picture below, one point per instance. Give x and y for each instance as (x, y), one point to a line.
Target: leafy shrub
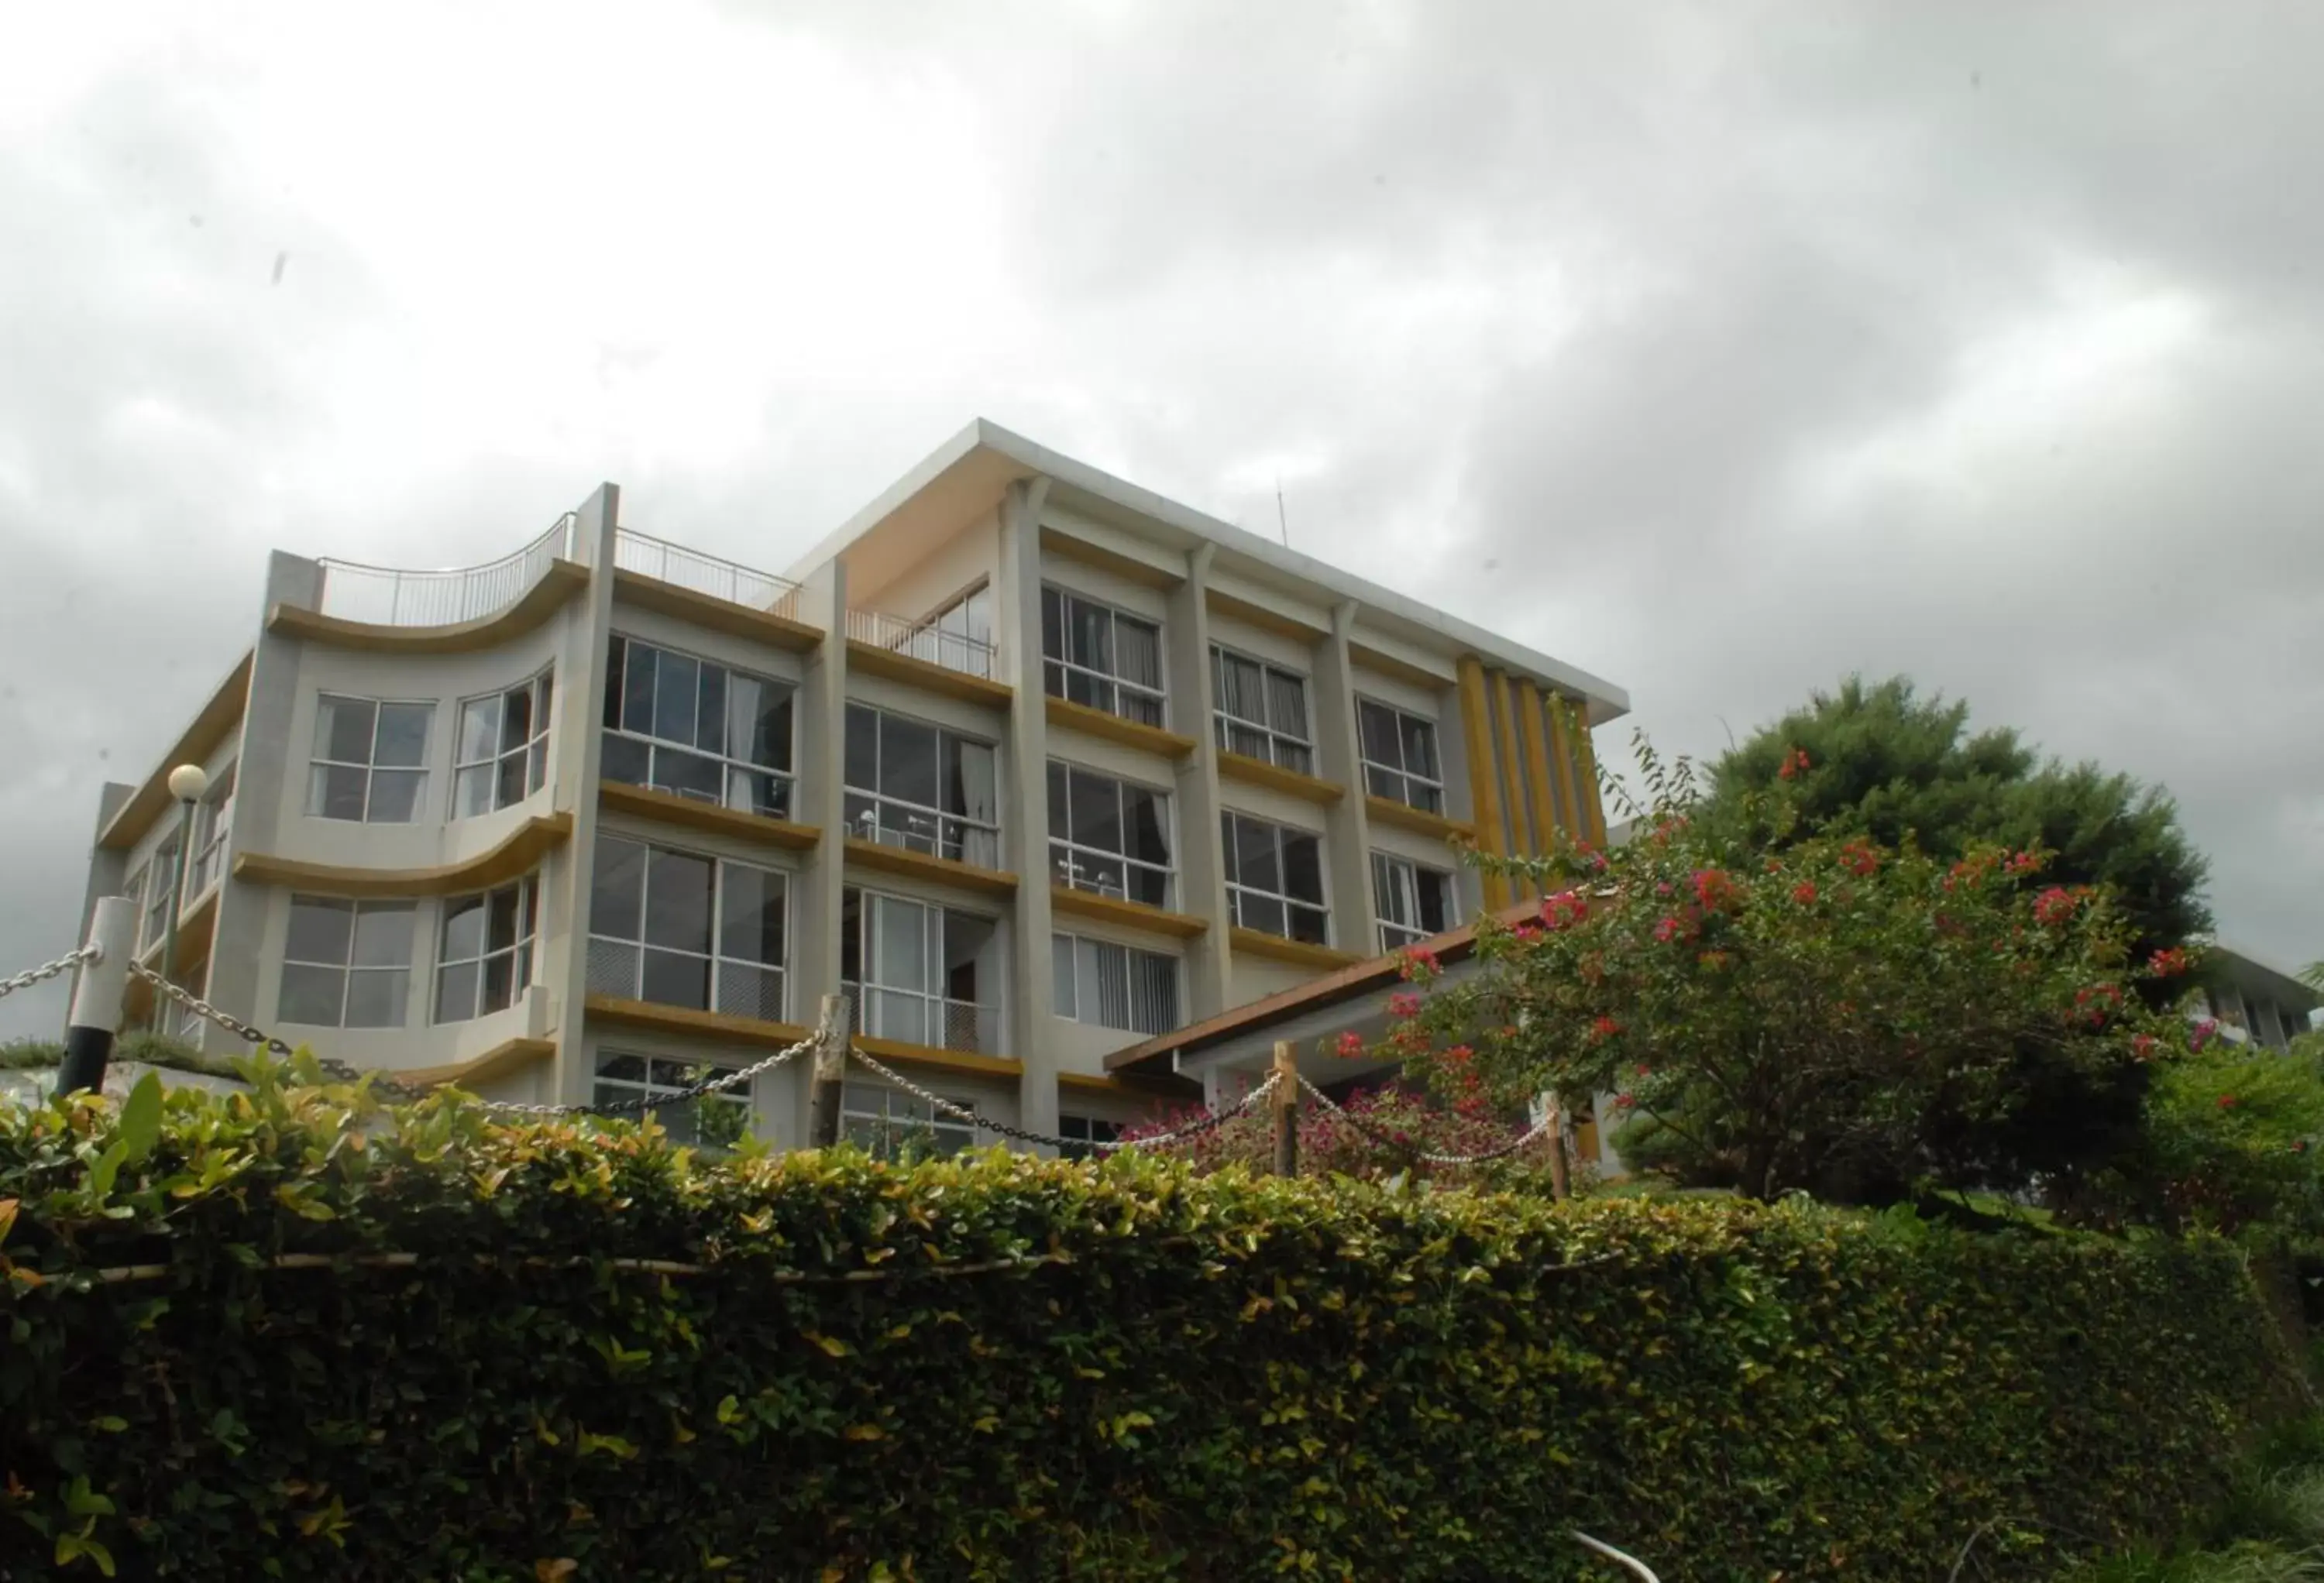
(287, 1333)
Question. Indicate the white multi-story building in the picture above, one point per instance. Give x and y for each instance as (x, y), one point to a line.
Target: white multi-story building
(1034, 764)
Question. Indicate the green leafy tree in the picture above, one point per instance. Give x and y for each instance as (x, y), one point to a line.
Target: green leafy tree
(1880, 761)
(1834, 1014)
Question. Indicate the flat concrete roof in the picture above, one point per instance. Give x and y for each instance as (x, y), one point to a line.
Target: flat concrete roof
(967, 475)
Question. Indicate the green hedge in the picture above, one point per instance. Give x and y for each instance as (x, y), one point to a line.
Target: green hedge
(1213, 1379)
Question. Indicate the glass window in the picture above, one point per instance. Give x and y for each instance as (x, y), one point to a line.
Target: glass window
(1108, 836)
(502, 754)
(895, 1125)
(921, 787)
(213, 823)
(716, 1120)
(1261, 710)
(678, 929)
(959, 636)
(1114, 986)
(1083, 1133)
(1411, 901)
(369, 760)
(918, 973)
(161, 891)
(347, 964)
(1275, 878)
(693, 729)
(1399, 751)
(485, 959)
(1095, 655)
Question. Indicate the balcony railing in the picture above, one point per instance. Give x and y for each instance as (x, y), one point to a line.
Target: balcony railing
(386, 597)
(922, 640)
(704, 573)
(911, 1018)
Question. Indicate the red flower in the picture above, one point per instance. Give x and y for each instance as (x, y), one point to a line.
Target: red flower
(1624, 1102)
(1667, 930)
(1527, 933)
(1419, 961)
(2167, 964)
(1714, 888)
(2142, 1046)
(2202, 1033)
(1644, 1069)
(2023, 863)
(1804, 893)
(1858, 859)
(1351, 1044)
(1564, 907)
(1605, 1027)
(1404, 1005)
(2227, 1101)
(1795, 763)
(1459, 1054)
(2053, 906)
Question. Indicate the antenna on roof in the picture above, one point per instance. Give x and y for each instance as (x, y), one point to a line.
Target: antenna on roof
(1282, 522)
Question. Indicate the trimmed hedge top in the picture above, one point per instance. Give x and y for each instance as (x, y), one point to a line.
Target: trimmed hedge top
(293, 1334)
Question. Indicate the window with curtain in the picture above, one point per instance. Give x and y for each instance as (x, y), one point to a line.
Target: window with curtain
(502, 756)
(921, 973)
(959, 636)
(484, 958)
(369, 764)
(696, 729)
(1114, 986)
(1411, 900)
(922, 788)
(1108, 836)
(1260, 711)
(1275, 878)
(1106, 659)
(680, 929)
(1399, 752)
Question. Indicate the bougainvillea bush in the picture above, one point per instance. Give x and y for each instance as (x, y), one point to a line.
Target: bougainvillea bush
(1836, 1015)
(288, 1334)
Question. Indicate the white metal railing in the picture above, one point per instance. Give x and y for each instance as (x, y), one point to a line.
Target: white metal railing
(922, 640)
(910, 1019)
(388, 597)
(704, 573)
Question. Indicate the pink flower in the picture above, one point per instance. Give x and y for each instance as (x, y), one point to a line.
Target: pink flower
(2142, 1046)
(1624, 1102)
(1351, 1044)
(1804, 893)
(1666, 930)
(2053, 906)
(1420, 962)
(1404, 1005)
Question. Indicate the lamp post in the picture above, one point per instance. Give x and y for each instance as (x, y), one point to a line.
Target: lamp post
(188, 782)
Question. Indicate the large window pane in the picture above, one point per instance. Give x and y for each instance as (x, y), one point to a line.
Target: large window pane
(321, 930)
(617, 889)
(480, 729)
(678, 900)
(908, 761)
(676, 979)
(1097, 812)
(403, 734)
(463, 927)
(1251, 854)
(751, 921)
(382, 933)
(639, 687)
(395, 796)
(312, 995)
(1302, 868)
(863, 766)
(678, 686)
(345, 728)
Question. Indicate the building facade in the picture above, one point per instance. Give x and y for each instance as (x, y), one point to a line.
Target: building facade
(1032, 764)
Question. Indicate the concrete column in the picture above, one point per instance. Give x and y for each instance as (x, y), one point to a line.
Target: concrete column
(1025, 797)
(1340, 760)
(577, 757)
(106, 868)
(820, 710)
(1201, 858)
(269, 788)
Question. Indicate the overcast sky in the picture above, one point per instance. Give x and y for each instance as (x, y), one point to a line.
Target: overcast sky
(1719, 349)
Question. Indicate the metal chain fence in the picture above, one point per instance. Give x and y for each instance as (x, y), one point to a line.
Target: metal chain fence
(1208, 1122)
(47, 971)
(1431, 1157)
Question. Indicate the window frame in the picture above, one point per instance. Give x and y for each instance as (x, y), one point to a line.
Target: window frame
(1065, 846)
(522, 953)
(213, 828)
(160, 894)
(875, 1123)
(1395, 936)
(605, 1089)
(1279, 743)
(1083, 1133)
(347, 970)
(950, 839)
(602, 946)
(1067, 944)
(932, 991)
(532, 753)
(613, 723)
(1237, 890)
(371, 768)
(1062, 667)
(929, 640)
(1405, 778)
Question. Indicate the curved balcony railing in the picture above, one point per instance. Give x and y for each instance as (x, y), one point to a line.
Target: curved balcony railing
(387, 597)
(704, 573)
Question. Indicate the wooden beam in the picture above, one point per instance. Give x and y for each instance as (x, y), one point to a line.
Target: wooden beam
(1484, 795)
(720, 615)
(669, 808)
(517, 855)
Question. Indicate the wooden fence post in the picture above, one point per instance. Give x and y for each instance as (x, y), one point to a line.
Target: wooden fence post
(831, 1037)
(1286, 1099)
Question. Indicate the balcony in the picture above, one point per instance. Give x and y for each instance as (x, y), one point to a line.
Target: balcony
(906, 1017)
(384, 596)
(705, 575)
(924, 642)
